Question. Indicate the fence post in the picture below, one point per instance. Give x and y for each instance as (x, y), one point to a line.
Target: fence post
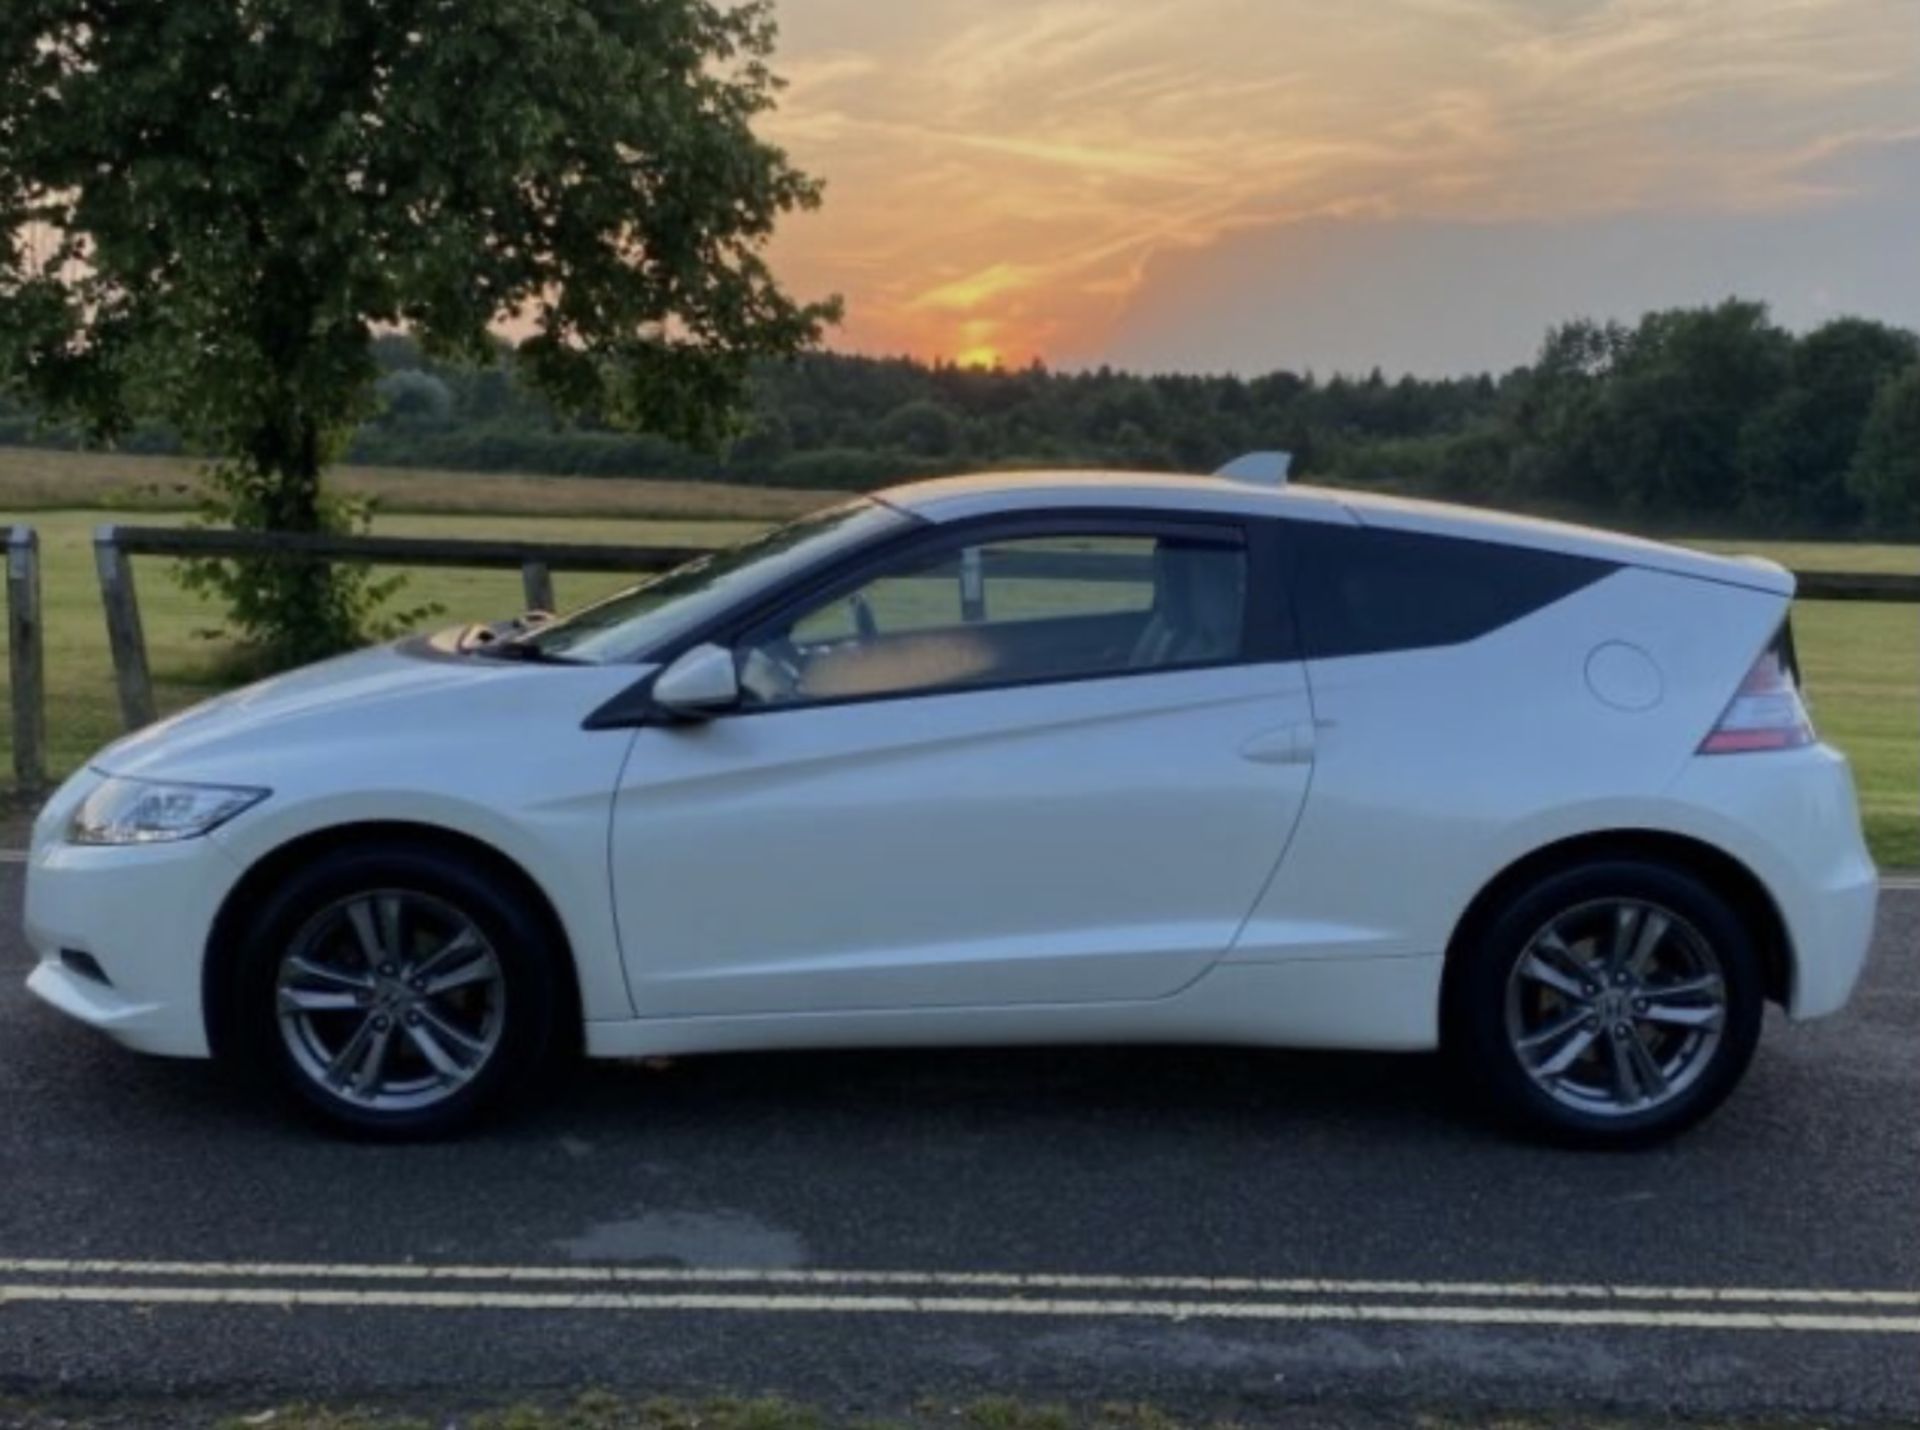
(536, 580)
(124, 636)
(26, 654)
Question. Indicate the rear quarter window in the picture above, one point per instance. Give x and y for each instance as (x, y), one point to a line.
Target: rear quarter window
(1361, 590)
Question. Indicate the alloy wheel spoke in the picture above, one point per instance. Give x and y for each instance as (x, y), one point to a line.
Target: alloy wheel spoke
(329, 976)
(316, 1000)
(1554, 1031)
(427, 1041)
(1536, 967)
(373, 1062)
(1707, 984)
(478, 970)
(1679, 1015)
(1626, 1078)
(393, 926)
(1637, 932)
(1646, 1068)
(360, 914)
(456, 954)
(1570, 1052)
(348, 1058)
(1653, 930)
(468, 1046)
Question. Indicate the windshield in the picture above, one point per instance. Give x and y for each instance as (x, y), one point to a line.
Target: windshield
(640, 620)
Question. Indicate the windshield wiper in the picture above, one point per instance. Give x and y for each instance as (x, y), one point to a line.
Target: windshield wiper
(531, 654)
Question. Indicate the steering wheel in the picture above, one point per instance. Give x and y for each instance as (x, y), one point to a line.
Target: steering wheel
(864, 625)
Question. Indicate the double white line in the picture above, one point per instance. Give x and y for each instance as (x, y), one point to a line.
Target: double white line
(603, 1289)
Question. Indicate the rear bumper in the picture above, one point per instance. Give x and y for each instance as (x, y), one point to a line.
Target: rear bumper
(1792, 818)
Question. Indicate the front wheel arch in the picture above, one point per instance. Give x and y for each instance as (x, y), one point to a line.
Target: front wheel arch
(243, 899)
(1720, 871)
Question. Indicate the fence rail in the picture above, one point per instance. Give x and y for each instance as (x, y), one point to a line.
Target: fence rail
(115, 546)
(1858, 586)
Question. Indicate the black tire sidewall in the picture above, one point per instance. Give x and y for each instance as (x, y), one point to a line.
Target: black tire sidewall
(1476, 1033)
(520, 941)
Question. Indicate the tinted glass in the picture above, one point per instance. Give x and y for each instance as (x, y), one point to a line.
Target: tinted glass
(1360, 591)
(636, 622)
(1008, 612)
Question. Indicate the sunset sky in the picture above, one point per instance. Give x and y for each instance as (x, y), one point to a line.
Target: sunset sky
(1421, 184)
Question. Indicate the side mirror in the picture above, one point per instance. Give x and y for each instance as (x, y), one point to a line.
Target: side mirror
(702, 682)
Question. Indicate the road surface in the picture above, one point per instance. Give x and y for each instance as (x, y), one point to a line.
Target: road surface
(1214, 1231)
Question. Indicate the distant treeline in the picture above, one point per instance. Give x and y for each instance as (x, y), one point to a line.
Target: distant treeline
(1707, 418)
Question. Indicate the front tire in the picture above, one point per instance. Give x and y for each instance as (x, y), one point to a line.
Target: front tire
(1611, 1004)
(396, 991)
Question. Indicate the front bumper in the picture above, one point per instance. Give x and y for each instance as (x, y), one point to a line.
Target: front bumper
(142, 914)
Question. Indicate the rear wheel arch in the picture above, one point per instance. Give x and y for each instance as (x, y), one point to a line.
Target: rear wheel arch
(244, 899)
(1713, 866)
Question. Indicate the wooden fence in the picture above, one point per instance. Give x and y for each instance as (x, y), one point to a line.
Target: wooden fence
(114, 547)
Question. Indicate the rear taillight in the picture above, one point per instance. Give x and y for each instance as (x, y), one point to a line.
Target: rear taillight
(1766, 712)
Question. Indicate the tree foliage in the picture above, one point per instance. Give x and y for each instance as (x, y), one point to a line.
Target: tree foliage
(1701, 419)
(209, 207)
(1886, 469)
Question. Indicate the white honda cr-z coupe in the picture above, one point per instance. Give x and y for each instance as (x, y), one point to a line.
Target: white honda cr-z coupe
(1044, 758)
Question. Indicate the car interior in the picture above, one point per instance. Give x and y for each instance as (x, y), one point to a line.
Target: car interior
(1009, 613)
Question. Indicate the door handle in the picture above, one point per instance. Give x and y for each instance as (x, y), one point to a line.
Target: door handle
(1286, 745)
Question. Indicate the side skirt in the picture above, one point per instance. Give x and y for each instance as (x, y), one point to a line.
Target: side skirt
(1361, 1004)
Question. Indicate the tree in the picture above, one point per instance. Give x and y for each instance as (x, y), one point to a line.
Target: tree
(1665, 435)
(1796, 451)
(1886, 469)
(921, 427)
(209, 207)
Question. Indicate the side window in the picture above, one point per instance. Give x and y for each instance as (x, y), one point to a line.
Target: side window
(1009, 611)
(1361, 591)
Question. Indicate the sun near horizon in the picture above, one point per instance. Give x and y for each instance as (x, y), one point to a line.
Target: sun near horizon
(1421, 185)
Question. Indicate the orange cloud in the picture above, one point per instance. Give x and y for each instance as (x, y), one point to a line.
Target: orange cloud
(1002, 174)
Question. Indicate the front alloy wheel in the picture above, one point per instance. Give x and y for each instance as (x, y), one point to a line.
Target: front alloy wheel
(391, 1000)
(398, 989)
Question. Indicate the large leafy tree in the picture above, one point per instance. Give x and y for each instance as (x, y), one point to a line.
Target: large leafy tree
(208, 209)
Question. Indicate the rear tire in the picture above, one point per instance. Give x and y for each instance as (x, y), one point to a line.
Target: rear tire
(1611, 1004)
(396, 991)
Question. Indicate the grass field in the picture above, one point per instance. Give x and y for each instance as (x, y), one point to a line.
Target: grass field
(34, 480)
(1862, 661)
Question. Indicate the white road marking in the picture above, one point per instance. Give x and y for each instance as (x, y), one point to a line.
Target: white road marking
(777, 1279)
(287, 1298)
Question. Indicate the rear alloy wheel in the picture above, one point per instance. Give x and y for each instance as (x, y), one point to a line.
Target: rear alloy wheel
(396, 990)
(1612, 1004)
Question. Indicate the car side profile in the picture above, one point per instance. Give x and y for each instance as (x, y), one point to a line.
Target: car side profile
(1020, 758)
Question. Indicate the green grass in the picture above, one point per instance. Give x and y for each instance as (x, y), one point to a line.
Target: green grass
(1862, 661)
(32, 480)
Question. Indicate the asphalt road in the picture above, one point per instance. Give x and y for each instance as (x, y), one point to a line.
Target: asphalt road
(644, 1232)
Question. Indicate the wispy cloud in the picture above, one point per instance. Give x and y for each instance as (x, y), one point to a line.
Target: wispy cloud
(1012, 167)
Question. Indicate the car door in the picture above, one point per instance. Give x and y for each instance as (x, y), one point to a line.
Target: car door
(1043, 760)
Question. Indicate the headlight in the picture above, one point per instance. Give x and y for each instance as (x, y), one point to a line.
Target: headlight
(125, 811)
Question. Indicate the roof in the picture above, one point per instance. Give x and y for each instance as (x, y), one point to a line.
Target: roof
(952, 498)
